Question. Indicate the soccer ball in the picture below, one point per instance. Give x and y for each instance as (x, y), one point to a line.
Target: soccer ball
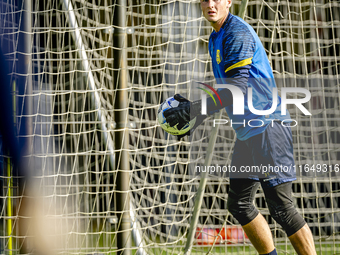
(172, 103)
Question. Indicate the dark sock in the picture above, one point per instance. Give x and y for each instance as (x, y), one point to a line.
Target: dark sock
(271, 253)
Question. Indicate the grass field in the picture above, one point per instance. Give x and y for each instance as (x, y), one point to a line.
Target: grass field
(235, 249)
(324, 249)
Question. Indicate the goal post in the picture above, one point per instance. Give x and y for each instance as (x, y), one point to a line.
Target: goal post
(74, 118)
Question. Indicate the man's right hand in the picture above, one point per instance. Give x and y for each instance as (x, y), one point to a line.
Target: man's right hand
(183, 113)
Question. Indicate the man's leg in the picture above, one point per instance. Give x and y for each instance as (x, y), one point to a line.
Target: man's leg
(259, 234)
(274, 147)
(282, 209)
(303, 242)
(241, 206)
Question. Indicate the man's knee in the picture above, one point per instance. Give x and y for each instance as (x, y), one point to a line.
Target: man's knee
(242, 209)
(282, 209)
(288, 217)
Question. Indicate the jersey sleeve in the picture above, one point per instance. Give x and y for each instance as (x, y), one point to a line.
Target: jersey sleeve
(238, 51)
(238, 48)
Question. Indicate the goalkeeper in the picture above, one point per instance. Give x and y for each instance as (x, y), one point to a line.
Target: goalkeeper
(239, 59)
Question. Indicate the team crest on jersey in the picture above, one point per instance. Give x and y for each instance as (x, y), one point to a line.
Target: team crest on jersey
(218, 56)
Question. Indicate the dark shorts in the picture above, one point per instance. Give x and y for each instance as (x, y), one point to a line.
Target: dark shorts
(267, 157)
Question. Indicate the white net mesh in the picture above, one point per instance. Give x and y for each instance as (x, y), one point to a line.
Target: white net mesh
(167, 48)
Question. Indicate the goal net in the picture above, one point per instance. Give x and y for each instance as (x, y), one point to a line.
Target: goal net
(75, 160)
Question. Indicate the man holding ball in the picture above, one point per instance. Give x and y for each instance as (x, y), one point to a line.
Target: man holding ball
(239, 59)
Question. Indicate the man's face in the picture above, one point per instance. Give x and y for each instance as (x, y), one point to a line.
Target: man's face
(215, 10)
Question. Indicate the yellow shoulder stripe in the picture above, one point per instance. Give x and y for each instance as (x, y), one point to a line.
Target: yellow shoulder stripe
(239, 64)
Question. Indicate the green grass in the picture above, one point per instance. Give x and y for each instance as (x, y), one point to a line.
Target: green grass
(106, 244)
(323, 249)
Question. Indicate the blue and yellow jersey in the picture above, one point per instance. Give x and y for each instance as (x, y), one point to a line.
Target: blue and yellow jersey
(239, 58)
